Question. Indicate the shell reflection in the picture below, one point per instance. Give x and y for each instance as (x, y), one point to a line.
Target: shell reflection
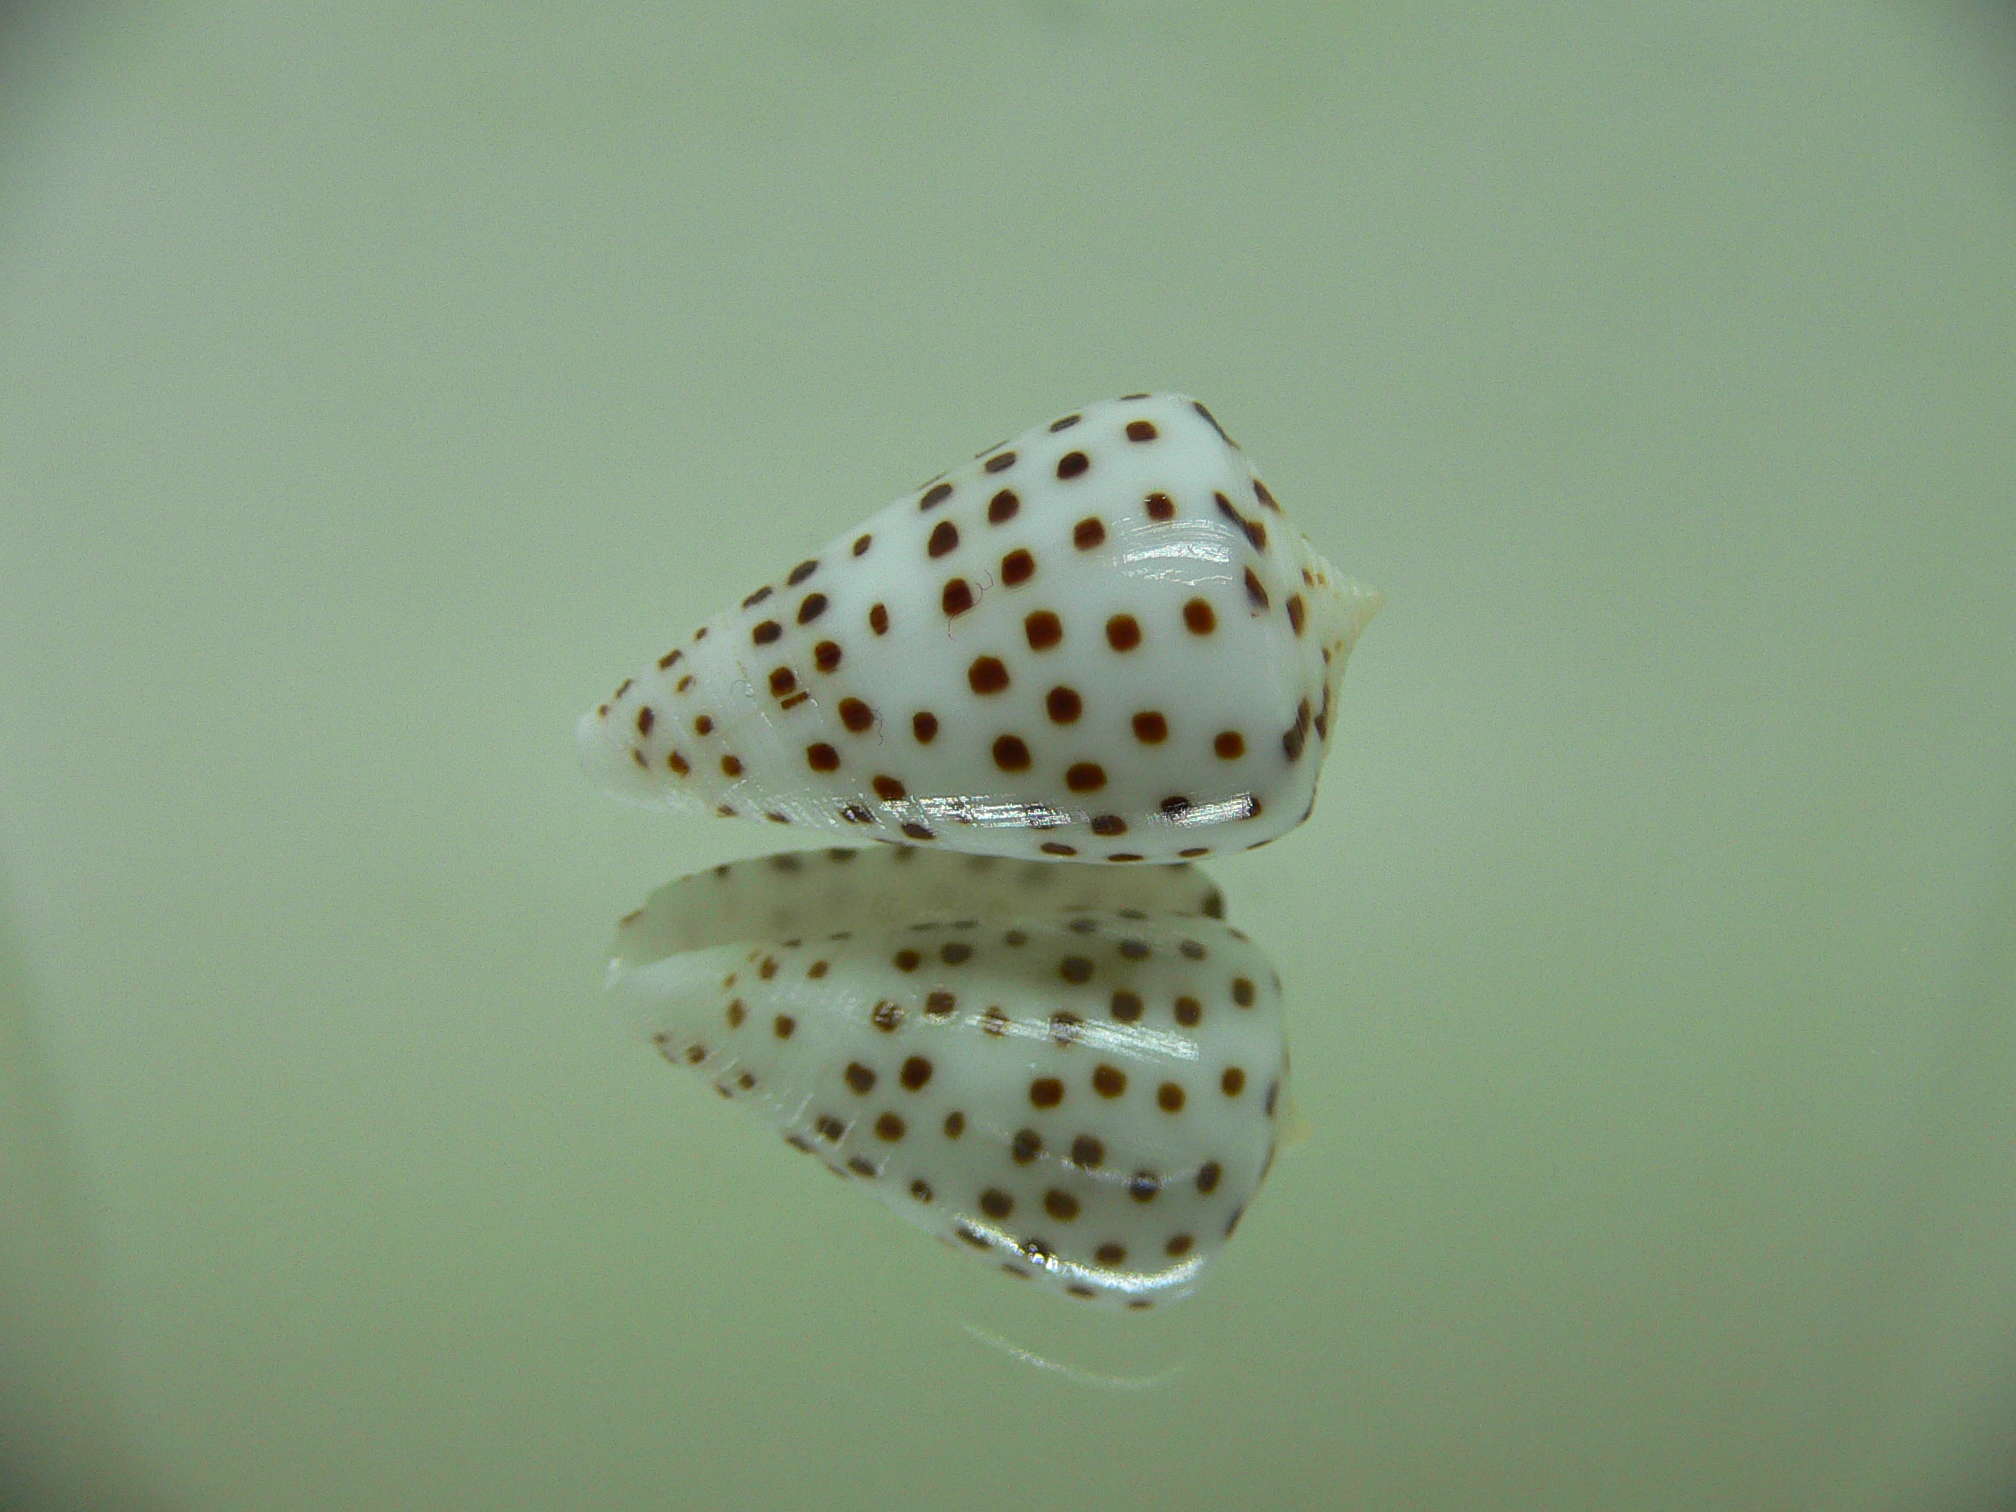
(1074, 1074)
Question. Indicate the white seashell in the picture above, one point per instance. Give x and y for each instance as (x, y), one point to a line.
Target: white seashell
(1084, 1091)
(1101, 641)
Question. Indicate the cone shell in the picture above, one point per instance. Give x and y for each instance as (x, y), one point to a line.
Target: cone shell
(1083, 1093)
(1101, 641)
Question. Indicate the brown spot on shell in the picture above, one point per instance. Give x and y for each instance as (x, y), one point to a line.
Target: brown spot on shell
(987, 675)
(1085, 777)
(1292, 740)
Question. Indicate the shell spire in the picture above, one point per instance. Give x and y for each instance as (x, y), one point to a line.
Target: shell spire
(1100, 641)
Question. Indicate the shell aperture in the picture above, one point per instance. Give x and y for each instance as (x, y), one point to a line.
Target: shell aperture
(1074, 1074)
(1102, 641)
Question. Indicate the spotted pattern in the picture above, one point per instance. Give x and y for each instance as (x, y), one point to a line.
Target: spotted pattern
(1113, 591)
(1035, 1092)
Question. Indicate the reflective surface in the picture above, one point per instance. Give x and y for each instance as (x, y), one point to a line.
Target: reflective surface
(374, 385)
(1074, 1074)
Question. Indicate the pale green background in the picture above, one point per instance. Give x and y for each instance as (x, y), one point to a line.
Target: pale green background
(379, 384)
